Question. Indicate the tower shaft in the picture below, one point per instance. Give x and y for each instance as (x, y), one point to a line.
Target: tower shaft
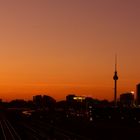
(115, 83)
(115, 93)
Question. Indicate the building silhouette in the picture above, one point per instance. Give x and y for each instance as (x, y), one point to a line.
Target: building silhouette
(138, 94)
(48, 102)
(44, 101)
(69, 98)
(37, 100)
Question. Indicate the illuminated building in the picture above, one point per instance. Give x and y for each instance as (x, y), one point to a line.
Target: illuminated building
(76, 105)
(127, 99)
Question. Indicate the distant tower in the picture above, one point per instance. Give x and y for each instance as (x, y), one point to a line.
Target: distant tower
(115, 77)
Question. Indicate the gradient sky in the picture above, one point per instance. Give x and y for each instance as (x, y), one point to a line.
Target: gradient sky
(57, 47)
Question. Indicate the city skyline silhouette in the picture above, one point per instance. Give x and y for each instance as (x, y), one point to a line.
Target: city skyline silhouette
(57, 74)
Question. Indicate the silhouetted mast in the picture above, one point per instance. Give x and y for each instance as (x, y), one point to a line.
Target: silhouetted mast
(115, 82)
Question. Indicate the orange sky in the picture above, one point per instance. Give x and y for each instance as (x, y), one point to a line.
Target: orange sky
(57, 47)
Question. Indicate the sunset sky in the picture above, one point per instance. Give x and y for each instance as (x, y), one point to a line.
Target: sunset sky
(59, 47)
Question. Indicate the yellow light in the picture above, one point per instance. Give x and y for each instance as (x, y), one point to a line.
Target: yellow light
(79, 98)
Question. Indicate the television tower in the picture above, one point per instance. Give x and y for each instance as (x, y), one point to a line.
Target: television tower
(115, 77)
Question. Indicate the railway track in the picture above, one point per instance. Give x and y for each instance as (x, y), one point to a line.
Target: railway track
(44, 129)
(7, 131)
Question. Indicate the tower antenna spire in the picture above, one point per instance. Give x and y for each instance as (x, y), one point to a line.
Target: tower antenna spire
(115, 62)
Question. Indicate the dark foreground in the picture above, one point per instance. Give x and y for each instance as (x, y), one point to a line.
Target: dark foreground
(41, 125)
